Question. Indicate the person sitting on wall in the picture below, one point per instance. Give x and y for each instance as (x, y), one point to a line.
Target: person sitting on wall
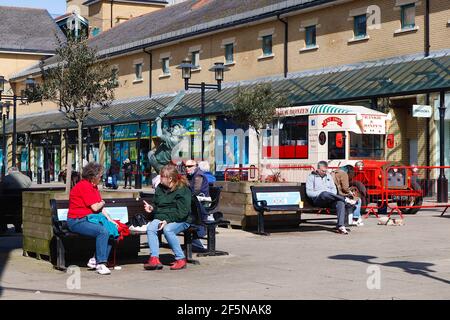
(171, 214)
(15, 180)
(320, 188)
(85, 200)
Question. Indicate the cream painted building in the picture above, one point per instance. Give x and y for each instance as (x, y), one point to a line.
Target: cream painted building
(28, 36)
(275, 39)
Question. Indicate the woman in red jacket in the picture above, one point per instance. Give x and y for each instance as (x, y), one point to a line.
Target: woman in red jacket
(85, 199)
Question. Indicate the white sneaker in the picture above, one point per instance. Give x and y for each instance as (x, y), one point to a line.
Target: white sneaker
(102, 269)
(359, 222)
(92, 263)
(342, 230)
(350, 201)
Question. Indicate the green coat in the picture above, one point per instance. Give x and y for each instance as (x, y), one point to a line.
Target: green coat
(172, 206)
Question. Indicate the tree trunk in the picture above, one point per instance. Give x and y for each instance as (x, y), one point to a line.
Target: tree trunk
(80, 145)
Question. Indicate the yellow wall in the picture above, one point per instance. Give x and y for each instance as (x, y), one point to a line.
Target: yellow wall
(11, 63)
(100, 13)
(440, 24)
(335, 29)
(84, 12)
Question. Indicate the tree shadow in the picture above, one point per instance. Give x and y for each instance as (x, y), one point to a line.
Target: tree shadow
(9, 241)
(411, 267)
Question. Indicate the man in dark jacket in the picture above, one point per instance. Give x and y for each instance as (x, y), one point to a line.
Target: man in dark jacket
(197, 179)
(199, 185)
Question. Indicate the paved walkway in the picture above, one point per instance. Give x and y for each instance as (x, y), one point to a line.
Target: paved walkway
(412, 261)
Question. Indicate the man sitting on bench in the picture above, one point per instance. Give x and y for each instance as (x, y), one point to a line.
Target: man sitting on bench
(322, 191)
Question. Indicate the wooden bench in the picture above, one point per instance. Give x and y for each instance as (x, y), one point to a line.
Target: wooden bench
(287, 199)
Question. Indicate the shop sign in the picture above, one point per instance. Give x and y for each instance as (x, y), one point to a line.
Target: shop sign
(332, 119)
(422, 111)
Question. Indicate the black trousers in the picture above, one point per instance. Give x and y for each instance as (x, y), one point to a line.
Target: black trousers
(128, 177)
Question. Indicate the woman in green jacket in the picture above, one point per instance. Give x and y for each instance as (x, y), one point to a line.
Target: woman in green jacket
(171, 214)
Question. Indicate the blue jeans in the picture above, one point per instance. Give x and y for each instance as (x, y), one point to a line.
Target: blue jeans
(170, 233)
(357, 211)
(97, 231)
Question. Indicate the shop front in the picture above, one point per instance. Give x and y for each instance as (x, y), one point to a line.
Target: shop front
(91, 145)
(47, 155)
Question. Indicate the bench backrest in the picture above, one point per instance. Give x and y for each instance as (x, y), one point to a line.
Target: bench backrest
(116, 207)
(276, 198)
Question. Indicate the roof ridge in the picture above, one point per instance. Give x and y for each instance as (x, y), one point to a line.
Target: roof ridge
(24, 8)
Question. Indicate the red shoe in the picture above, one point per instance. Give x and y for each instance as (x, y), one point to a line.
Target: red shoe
(153, 263)
(179, 264)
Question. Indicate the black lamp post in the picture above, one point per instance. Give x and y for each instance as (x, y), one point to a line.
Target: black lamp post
(30, 86)
(138, 177)
(46, 142)
(442, 182)
(5, 116)
(186, 71)
(28, 143)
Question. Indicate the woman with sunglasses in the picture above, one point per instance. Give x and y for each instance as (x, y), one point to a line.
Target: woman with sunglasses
(172, 205)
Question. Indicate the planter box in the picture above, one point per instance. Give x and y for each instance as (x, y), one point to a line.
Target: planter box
(37, 220)
(236, 206)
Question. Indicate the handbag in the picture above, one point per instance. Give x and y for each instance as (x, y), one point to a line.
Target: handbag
(138, 220)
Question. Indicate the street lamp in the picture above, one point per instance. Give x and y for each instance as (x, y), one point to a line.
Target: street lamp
(5, 116)
(2, 84)
(186, 71)
(30, 86)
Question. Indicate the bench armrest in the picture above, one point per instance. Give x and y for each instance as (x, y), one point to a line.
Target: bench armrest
(261, 205)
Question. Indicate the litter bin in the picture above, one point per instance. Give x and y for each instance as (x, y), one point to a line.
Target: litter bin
(39, 175)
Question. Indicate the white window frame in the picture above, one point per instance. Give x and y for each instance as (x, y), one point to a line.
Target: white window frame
(162, 57)
(261, 35)
(136, 78)
(198, 49)
(225, 43)
(309, 23)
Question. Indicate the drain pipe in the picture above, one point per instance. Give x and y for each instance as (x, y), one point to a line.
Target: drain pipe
(427, 28)
(150, 66)
(286, 39)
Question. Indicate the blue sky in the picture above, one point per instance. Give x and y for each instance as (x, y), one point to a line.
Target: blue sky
(57, 7)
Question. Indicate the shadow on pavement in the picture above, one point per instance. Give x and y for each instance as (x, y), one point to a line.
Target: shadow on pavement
(411, 267)
(9, 241)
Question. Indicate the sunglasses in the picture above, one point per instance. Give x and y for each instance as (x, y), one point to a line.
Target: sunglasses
(190, 166)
